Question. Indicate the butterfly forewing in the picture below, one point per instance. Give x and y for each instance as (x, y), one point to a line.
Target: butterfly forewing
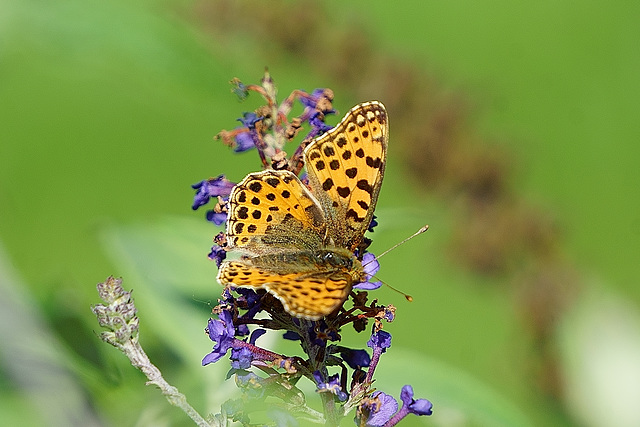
(346, 167)
(272, 210)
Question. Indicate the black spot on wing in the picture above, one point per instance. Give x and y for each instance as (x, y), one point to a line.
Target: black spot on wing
(351, 213)
(329, 151)
(272, 182)
(363, 184)
(327, 184)
(255, 186)
(243, 212)
(343, 191)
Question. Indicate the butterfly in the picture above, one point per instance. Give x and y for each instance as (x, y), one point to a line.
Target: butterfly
(299, 244)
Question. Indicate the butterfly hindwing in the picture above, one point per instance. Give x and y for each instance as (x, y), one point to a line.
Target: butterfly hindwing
(302, 293)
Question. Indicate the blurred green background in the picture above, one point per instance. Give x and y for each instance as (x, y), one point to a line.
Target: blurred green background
(514, 134)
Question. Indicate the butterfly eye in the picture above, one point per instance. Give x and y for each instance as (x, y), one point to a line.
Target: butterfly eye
(328, 257)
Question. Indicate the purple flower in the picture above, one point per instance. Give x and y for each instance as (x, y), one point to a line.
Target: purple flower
(331, 386)
(249, 300)
(221, 332)
(311, 100)
(255, 335)
(249, 120)
(218, 218)
(380, 340)
(248, 296)
(242, 330)
(371, 267)
(379, 408)
(245, 137)
(418, 407)
(244, 141)
(318, 126)
(389, 314)
(217, 254)
(355, 358)
(304, 178)
(382, 409)
(372, 224)
(241, 358)
(211, 188)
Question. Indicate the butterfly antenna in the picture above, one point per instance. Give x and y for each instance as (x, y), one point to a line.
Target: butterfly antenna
(406, 296)
(422, 230)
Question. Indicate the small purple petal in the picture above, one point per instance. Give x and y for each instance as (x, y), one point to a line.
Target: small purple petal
(421, 407)
(241, 358)
(368, 286)
(331, 386)
(256, 334)
(381, 407)
(249, 295)
(249, 120)
(370, 264)
(318, 126)
(380, 339)
(221, 332)
(304, 178)
(218, 218)
(355, 358)
(312, 99)
(372, 224)
(211, 188)
(242, 330)
(417, 407)
(244, 141)
(217, 254)
(212, 357)
(406, 395)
